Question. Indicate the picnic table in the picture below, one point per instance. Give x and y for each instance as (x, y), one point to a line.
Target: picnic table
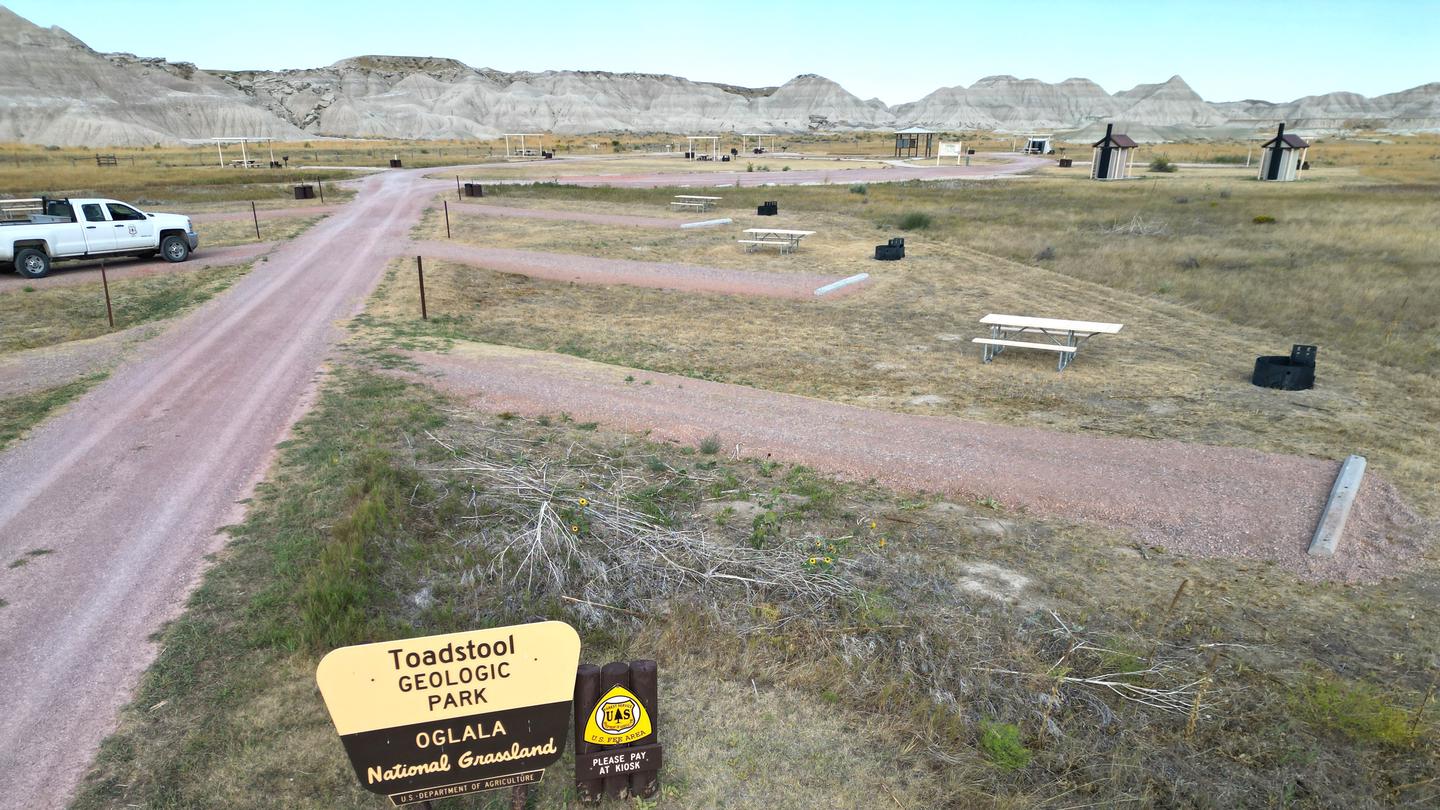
(1061, 336)
(786, 241)
(695, 201)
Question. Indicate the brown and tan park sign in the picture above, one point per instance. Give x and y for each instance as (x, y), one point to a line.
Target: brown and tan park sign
(439, 716)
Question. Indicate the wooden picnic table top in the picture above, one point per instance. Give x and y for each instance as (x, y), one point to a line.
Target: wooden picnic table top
(696, 197)
(779, 232)
(1054, 324)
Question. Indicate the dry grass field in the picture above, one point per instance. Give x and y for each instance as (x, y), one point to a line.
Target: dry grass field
(911, 651)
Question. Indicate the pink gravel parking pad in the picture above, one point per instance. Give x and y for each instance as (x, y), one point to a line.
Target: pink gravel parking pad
(1189, 498)
(619, 220)
(661, 275)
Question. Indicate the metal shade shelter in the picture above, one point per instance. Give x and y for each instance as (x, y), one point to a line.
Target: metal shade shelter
(244, 154)
(1037, 143)
(713, 153)
(519, 149)
(760, 138)
(907, 141)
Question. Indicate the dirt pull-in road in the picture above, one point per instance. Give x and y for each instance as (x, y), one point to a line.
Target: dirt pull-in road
(660, 275)
(1196, 499)
(125, 490)
(552, 215)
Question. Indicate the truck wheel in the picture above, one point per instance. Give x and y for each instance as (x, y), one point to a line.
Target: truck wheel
(32, 263)
(175, 249)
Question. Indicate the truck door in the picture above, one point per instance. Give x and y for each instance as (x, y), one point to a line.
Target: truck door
(132, 228)
(68, 238)
(99, 234)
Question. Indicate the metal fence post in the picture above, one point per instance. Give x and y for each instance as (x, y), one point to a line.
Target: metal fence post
(420, 272)
(256, 216)
(104, 280)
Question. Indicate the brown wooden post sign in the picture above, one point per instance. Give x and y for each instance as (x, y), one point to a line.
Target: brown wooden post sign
(439, 716)
(616, 720)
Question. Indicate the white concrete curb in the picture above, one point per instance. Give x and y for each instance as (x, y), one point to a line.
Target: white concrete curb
(835, 285)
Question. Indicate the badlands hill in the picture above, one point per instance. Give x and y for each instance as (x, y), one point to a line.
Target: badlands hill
(56, 90)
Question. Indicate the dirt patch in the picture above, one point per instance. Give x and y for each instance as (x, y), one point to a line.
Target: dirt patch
(994, 582)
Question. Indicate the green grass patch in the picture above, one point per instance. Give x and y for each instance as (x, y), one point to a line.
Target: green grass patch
(915, 221)
(21, 413)
(1001, 743)
(1355, 710)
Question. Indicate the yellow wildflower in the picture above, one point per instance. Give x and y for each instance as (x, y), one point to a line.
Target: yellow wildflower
(583, 502)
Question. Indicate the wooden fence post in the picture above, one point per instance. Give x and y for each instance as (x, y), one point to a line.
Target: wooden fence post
(615, 673)
(420, 272)
(645, 686)
(587, 692)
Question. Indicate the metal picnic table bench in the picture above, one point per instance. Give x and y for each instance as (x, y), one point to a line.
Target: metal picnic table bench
(786, 240)
(1061, 336)
(695, 201)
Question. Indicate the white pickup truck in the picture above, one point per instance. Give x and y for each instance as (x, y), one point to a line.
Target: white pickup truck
(36, 232)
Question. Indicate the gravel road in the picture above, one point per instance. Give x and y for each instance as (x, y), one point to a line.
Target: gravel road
(128, 486)
(1189, 498)
(663, 275)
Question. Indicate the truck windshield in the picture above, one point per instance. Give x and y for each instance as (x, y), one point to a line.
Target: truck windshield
(120, 213)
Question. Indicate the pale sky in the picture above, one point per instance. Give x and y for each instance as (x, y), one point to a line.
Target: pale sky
(899, 51)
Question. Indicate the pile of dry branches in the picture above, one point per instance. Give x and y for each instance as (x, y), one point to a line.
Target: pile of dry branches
(568, 529)
(1138, 226)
